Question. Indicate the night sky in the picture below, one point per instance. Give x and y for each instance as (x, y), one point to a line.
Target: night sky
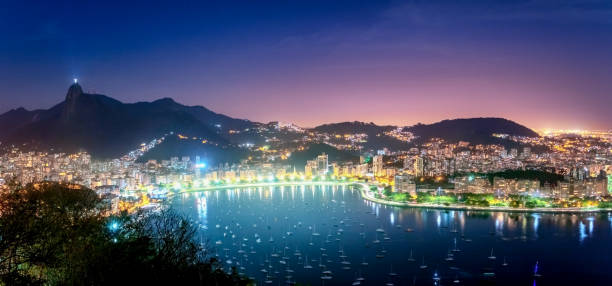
(540, 63)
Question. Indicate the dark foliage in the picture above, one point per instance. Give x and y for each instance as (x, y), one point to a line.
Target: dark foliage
(53, 234)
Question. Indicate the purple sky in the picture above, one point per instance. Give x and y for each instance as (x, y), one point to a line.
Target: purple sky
(540, 63)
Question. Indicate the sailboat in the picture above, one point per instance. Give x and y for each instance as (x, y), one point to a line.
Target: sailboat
(492, 257)
(360, 278)
(274, 253)
(410, 258)
(314, 231)
(449, 256)
(326, 275)
(321, 265)
(306, 264)
(346, 264)
(268, 280)
(455, 249)
(505, 263)
(392, 274)
(364, 263)
(535, 270)
(423, 265)
(456, 281)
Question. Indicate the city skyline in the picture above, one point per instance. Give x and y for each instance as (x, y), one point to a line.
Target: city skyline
(544, 65)
(332, 142)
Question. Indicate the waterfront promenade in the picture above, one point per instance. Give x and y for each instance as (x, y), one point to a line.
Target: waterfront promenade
(367, 195)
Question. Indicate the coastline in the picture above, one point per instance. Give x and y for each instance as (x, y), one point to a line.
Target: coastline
(365, 195)
(265, 184)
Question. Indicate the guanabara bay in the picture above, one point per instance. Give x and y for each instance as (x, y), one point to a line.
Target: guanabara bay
(305, 143)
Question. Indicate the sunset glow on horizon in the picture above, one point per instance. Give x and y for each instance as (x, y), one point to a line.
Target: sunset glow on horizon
(541, 64)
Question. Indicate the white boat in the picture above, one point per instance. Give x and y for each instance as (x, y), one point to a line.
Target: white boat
(423, 265)
(535, 270)
(492, 257)
(410, 258)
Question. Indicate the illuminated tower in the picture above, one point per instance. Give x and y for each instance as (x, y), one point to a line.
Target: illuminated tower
(419, 166)
(377, 165)
(322, 164)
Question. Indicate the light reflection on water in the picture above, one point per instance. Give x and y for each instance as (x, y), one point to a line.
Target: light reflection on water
(249, 219)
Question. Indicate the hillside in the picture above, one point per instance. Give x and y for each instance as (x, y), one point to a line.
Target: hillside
(106, 127)
(210, 154)
(376, 137)
(353, 127)
(474, 130)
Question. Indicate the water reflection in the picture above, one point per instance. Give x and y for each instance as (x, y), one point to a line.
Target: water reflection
(325, 234)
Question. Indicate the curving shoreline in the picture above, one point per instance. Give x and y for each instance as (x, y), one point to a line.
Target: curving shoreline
(265, 184)
(366, 196)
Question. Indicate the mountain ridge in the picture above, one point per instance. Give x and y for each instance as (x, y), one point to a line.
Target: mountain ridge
(477, 130)
(107, 127)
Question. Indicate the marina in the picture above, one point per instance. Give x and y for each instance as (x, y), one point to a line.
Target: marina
(330, 235)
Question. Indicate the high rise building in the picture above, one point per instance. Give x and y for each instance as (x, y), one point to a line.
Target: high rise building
(405, 184)
(419, 165)
(322, 164)
(311, 168)
(377, 165)
(407, 162)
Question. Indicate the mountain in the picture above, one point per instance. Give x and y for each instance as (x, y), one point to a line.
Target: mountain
(212, 154)
(107, 128)
(212, 119)
(353, 127)
(16, 118)
(473, 130)
(376, 137)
